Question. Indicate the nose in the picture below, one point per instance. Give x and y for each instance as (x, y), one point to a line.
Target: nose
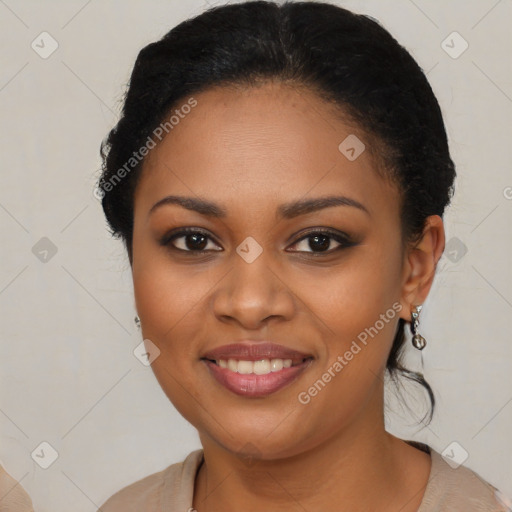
(253, 293)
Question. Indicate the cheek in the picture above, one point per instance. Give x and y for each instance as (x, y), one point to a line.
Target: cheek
(166, 302)
(167, 295)
(359, 307)
(170, 300)
(352, 297)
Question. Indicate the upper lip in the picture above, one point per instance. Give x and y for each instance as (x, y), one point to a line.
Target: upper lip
(255, 351)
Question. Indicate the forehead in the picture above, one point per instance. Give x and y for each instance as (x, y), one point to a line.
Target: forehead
(252, 145)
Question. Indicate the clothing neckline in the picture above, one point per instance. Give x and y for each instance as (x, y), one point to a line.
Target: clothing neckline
(195, 459)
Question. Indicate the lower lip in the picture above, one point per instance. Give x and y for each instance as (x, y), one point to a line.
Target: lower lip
(252, 385)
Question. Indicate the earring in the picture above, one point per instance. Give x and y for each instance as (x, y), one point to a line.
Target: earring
(137, 321)
(418, 341)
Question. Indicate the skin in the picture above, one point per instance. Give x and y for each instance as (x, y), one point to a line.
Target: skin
(250, 150)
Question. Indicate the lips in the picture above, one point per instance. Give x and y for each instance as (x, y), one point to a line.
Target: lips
(254, 351)
(255, 369)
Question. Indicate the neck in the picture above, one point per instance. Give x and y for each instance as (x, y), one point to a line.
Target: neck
(361, 468)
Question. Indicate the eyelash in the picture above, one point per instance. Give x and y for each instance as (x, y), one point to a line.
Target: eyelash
(343, 240)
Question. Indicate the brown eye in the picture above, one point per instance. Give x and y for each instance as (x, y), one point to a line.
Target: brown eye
(188, 240)
(321, 242)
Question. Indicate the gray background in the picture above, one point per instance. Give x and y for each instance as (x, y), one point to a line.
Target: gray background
(68, 374)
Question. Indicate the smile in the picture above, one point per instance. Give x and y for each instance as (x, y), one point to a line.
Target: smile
(255, 368)
(261, 367)
(249, 382)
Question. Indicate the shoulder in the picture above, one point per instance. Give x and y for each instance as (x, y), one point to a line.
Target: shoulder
(172, 486)
(13, 497)
(454, 488)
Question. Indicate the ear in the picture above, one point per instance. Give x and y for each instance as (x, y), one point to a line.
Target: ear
(420, 265)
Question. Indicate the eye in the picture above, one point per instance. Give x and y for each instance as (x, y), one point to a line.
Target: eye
(196, 241)
(188, 240)
(320, 242)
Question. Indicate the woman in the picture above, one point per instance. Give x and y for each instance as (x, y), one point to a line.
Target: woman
(279, 176)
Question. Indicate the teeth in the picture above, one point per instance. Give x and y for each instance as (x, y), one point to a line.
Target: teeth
(261, 367)
(245, 367)
(276, 365)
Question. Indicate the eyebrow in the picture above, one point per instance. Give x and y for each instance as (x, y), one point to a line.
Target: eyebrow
(287, 211)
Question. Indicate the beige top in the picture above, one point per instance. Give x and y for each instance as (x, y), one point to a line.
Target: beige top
(13, 497)
(447, 490)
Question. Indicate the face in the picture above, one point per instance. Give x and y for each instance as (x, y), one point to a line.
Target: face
(265, 262)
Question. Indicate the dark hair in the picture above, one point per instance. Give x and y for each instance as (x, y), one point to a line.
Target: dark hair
(348, 59)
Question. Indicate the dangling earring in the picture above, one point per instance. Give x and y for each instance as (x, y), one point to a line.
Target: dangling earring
(418, 340)
(137, 321)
